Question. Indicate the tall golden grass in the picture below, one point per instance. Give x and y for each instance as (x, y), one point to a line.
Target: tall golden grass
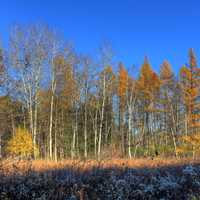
(81, 165)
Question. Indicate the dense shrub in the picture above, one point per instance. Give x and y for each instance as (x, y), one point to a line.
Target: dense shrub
(21, 144)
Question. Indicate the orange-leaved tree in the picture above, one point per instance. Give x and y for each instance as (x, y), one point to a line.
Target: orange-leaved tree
(122, 90)
(148, 86)
(190, 83)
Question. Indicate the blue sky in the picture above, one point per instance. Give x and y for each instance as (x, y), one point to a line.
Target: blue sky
(160, 29)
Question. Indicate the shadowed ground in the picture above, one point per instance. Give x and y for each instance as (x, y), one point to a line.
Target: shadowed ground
(100, 180)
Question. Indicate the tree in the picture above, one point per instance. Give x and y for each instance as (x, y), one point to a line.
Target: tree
(55, 62)
(85, 87)
(21, 144)
(2, 68)
(132, 95)
(106, 55)
(190, 84)
(27, 55)
(68, 93)
(170, 102)
(2, 78)
(105, 82)
(122, 90)
(149, 86)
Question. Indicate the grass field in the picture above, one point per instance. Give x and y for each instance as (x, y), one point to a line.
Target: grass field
(106, 179)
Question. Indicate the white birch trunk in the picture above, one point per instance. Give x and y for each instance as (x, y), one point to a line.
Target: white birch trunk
(102, 117)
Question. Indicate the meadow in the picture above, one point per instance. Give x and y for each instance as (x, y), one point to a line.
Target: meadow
(100, 180)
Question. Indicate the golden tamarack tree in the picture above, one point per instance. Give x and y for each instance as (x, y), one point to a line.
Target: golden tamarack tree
(190, 81)
(21, 144)
(148, 86)
(190, 84)
(122, 88)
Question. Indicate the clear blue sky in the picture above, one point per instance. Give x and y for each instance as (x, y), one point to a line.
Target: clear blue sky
(161, 29)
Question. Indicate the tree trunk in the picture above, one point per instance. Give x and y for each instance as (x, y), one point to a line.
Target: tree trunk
(0, 148)
(73, 143)
(50, 127)
(129, 130)
(95, 133)
(85, 131)
(55, 140)
(102, 117)
(35, 132)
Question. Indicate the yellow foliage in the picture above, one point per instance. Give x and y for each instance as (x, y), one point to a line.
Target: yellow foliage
(166, 72)
(110, 78)
(193, 139)
(123, 81)
(148, 84)
(21, 144)
(191, 143)
(190, 89)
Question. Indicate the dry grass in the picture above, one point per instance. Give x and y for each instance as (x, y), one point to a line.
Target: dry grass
(83, 165)
(138, 179)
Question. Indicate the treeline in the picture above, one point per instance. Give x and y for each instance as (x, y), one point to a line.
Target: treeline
(77, 106)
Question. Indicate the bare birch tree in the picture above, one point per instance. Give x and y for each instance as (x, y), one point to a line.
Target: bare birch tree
(28, 53)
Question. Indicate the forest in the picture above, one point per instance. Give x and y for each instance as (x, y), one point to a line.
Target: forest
(57, 103)
(75, 126)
